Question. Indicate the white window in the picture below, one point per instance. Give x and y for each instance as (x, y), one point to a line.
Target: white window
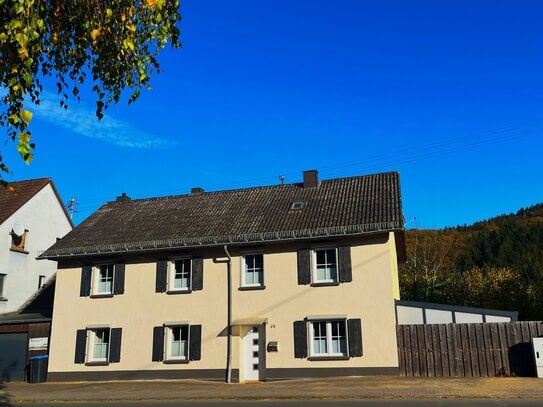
(253, 270)
(328, 338)
(103, 279)
(179, 275)
(2, 283)
(177, 342)
(98, 343)
(325, 266)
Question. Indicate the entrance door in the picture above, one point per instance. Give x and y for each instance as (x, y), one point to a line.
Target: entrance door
(13, 356)
(252, 352)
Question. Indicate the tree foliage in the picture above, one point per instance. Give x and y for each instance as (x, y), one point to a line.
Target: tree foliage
(495, 264)
(112, 44)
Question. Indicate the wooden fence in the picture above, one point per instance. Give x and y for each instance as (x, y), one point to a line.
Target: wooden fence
(467, 350)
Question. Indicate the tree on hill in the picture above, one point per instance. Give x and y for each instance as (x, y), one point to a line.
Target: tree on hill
(112, 44)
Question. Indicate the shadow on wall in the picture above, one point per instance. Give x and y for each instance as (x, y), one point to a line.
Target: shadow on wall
(521, 361)
(4, 396)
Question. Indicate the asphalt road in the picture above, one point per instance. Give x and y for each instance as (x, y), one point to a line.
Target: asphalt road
(313, 403)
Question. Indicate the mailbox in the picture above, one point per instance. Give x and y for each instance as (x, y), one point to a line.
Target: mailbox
(272, 346)
(538, 355)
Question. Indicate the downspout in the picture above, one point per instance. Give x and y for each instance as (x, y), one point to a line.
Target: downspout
(229, 312)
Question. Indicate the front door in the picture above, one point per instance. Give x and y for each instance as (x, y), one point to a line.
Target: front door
(252, 352)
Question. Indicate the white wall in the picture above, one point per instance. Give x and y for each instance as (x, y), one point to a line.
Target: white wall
(45, 220)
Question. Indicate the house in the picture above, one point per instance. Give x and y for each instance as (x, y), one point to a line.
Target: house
(276, 282)
(32, 218)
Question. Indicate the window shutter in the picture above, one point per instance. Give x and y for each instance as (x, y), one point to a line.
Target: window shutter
(197, 273)
(161, 275)
(300, 339)
(345, 269)
(355, 337)
(118, 279)
(304, 266)
(158, 343)
(195, 344)
(80, 345)
(86, 276)
(115, 345)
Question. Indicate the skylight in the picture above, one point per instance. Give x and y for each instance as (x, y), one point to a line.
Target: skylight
(297, 205)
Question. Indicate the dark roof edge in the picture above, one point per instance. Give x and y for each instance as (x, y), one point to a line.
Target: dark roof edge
(57, 254)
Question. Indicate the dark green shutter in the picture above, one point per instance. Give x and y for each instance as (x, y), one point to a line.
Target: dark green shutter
(195, 344)
(80, 345)
(197, 273)
(86, 276)
(304, 266)
(158, 343)
(300, 339)
(345, 269)
(355, 337)
(161, 275)
(115, 345)
(118, 279)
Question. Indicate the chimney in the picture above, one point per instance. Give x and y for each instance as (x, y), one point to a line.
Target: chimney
(311, 179)
(196, 190)
(123, 198)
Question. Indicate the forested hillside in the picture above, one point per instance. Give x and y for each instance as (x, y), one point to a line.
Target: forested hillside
(497, 263)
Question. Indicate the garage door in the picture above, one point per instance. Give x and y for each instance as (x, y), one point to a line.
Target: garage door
(13, 356)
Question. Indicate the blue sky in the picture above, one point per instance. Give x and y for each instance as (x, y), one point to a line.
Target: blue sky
(448, 93)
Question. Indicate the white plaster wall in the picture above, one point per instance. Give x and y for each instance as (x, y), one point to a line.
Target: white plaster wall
(45, 220)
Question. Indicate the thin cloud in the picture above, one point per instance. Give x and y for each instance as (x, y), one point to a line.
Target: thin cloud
(81, 119)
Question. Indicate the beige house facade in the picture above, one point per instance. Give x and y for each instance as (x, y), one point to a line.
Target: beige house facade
(247, 304)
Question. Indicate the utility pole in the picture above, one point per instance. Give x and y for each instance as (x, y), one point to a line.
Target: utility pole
(70, 207)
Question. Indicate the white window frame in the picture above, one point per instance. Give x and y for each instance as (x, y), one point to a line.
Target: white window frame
(329, 338)
(243, 282)
(314, 275)
(3, 278)
(91, 337)
(171, 271)
(168, 338)
(41, 281)
(96, 279)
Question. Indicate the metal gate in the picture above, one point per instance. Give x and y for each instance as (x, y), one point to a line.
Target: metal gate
(13, 356)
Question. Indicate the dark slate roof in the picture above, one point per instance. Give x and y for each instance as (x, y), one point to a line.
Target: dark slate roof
(17, 193)
(343, 206)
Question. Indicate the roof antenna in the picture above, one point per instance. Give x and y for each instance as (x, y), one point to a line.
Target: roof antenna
(282, 179)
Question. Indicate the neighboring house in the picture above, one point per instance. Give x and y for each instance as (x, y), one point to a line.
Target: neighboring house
(266, 283)
(418, 313)
(32, 218)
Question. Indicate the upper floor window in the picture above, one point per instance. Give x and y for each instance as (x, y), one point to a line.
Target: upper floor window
(103, 279)
(179, 275)
(253, 270)
(41, 281)
(18, 237)
(325, 266)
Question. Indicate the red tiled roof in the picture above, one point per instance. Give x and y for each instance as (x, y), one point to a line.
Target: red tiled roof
(343, 206)
(17, 194)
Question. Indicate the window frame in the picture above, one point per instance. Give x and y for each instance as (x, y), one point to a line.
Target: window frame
(243, 269)
(90, 359)
(95, 283)
(3, 278)
(170, 275)
(329, 337)
(314, 269)
(18, 247)
(168, 336)
(41, 281)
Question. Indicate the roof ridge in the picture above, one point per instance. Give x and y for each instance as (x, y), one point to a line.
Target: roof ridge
(258, 187)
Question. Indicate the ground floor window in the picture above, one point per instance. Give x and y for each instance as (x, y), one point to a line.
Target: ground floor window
(99, 345)
(177, 342)
(328, 338)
